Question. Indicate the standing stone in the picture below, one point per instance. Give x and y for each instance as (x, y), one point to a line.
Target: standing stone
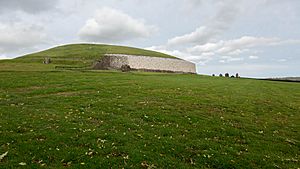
(47, 61)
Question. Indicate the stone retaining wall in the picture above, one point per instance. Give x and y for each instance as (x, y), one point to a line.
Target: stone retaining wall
(115, 61)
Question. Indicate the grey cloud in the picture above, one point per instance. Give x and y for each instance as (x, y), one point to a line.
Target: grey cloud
(192, 4)
(28, 6)
(17, 36)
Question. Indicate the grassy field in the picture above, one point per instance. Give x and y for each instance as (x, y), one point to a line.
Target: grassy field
(55, 118)
(91, 119)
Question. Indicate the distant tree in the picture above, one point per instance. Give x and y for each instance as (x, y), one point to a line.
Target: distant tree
(237, 75)
(213, 75)
(226, 74)
(220, 75)
(232, 76)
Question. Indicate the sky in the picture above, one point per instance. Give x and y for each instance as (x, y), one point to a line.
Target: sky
(257, 38)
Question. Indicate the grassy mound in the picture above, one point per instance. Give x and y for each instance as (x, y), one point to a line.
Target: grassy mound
(84, 54)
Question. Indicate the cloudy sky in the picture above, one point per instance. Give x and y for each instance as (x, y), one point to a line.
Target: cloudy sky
(257, 38)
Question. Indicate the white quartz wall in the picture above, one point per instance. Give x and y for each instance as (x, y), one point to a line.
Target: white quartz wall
(152, 63)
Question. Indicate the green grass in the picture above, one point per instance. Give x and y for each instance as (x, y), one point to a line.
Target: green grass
(103, 119)
(84, 54)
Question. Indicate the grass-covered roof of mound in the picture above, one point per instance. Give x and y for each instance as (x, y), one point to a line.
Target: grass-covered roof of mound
(91, 51)
(84, 54)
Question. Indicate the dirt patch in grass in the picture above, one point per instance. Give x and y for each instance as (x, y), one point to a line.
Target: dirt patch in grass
(64, 94)
(29, 89)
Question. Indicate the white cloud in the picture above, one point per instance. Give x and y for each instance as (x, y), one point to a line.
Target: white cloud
(163, 49)
(208, 47)
(238, 52)
(227, 51)
(200, 35)
(235, 46)
(110, 25)
(200, 59)
(287, 42)
(281, 60)
(226, 59)
(16, 36)
(244, 43)
(253, 57)
(227, 12)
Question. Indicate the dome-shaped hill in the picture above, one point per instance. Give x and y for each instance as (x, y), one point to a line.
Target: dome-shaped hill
(85, 54)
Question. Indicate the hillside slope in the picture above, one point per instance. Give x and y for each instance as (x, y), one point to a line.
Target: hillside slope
(109, 119)
(84, 54)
